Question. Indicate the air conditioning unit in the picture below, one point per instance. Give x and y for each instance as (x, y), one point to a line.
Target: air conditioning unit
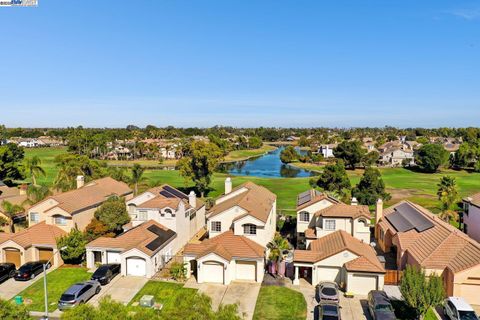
(147, 301)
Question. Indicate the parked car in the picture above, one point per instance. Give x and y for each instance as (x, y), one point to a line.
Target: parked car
(327, 291)
(380, 306)
(30, 270)
(327, 311)
(456, 308)
(78, 293)
(106, 272)
(7, 271)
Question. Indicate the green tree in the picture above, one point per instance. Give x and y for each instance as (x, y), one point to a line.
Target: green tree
(351, 152)
(113, 214)
(74, 242)
(448, 195)
(70, 166)
(277, 246)
(10, 210)
(11, 311)
(303, 142)
(11, 157)
(33, 168)
(430, 157)
(420, 292)
(137, 176)
(255, 142)
(289, 154)
(334, 178)
(97, 229)
(370, 188)
(36, 193)
(199, 163)
(370, 158)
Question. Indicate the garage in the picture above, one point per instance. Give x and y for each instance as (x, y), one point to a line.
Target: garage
(13, 256)
(136, 267)
(361, 283)
(469, 292)
(246, 270)
(113, 257)
(329, 274)
(212, 271)
(46, 254)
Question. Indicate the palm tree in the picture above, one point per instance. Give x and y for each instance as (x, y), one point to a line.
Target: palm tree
(137, 176)
(36, 194)
(10, 210)
(33, 169)
(277, 246)
(448, 195)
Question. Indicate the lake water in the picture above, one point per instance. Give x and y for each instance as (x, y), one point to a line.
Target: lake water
(267, 165)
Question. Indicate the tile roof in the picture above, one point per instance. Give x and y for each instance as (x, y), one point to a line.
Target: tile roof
(91, 194)
(13, 196)
(473, 199)
(228, 246)
(337, 242)
(438, 247)
(316, 196)
(139, 238)
(256, 200)
(41, 234)
(161, 201)
(342, 210)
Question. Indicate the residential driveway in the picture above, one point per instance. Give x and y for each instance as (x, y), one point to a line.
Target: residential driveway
(355, 308)
(11, 288)
(121, 289)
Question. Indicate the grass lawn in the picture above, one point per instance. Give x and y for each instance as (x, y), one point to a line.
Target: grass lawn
(47, 155)
(280, 303)
(57, 282)
(143, 163)
(430, 315)
(245, 154)
(164, 292)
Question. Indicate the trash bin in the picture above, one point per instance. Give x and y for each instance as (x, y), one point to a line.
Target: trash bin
(18, 299)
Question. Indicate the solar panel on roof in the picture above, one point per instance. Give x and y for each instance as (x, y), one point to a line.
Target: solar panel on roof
(167, 194)
(399, 222)
(175, 192)
(405, 218)
(303, 197)
(162, 237)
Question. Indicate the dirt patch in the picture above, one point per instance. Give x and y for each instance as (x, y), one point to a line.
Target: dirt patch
(403, 194)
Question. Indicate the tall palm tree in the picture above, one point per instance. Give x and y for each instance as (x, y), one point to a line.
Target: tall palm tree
(36, 194)
(137, 176)
(10, 210)
(33, 168)
(448, 195)
(277, 246)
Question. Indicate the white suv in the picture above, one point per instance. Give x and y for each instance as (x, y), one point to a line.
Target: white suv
(456, 308)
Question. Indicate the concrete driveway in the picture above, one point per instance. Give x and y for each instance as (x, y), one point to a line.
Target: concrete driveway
(355, 308)
(121, 289)
(11, 288)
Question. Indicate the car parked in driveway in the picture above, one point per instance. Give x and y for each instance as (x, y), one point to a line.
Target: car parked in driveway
(7, 271)
(456, 308)
(327, 291)
(106, 272)
(379, 306)
(327, 311)
(78, 293)
(30, 270)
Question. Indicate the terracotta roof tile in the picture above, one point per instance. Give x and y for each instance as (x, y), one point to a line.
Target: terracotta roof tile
(161, 201)
(343, 210)
(316, 196)
(474, 199)
(38, 234)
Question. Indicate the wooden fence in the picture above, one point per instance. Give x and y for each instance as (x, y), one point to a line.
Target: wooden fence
(393, 277)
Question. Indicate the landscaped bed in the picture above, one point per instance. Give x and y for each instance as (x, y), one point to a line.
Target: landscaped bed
(58, 281)
(280, 303)
(164, 293)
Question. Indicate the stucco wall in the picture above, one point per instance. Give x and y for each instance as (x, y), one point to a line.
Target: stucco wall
(472, 220)
(302, 226)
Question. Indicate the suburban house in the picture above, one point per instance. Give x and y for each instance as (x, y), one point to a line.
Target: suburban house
(327, 150)
(142, 250)
(341, 258)
(181, 213)
(395, 154)
(14, 195)
(75, 208)
(35, 243)
(240, 225)
(471, 216)
(418, 237)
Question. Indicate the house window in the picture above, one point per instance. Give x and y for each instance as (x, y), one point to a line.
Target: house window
(304, 216)
(59, 220)
(34, 216)
(216, 226)
(329, 224)
(250, 229)
(142, 215)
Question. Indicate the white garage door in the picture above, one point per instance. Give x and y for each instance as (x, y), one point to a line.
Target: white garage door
(136, 267)
(246, 270)
(361, 284)
(328, 274)
(212, 272)
(113, 257)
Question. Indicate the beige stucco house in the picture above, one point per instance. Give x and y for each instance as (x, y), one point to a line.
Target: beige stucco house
(75, 208)
(420, 238)
(240, 225)
(14, 195)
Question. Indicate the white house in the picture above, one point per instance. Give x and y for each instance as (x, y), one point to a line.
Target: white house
(471, 216)
(327, 150)
(240, 225)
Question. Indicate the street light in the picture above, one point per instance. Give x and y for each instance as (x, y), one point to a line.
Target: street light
(45, 316)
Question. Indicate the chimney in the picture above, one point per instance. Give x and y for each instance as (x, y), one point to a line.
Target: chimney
(354, 201)
(23, 189)
(378, 210)
(228, 185)
(80, 181)
(192, 199)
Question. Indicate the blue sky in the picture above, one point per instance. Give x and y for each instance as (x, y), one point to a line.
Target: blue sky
(241, 63)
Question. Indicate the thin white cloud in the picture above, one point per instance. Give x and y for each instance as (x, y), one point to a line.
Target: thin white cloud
(467, 14)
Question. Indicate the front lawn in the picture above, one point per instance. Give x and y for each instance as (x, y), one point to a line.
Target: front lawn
(57, 282)
(164, 292)
(280, 303)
